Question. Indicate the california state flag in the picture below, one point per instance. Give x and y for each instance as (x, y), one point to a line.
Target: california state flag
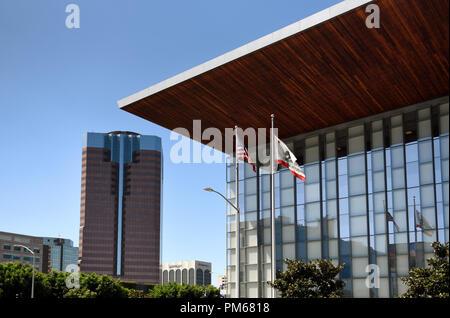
(285, 157)
(423, 224)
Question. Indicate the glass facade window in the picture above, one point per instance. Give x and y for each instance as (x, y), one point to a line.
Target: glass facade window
(199, 277)
(357, 177)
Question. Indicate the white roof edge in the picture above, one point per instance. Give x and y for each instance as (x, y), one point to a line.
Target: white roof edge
(296, 27)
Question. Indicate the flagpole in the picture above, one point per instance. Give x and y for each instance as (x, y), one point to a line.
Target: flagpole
(237, 220)
(386, 215)
(272, 183)
(415, 221)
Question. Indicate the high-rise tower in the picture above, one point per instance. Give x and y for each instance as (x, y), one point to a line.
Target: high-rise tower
(120, 214)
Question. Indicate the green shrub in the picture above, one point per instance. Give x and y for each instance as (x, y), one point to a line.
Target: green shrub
(133, 293)
(432, 281)
(129, 285)
(146, 287)
(15, 282)
(56, 284)
(173, 290)
(80, 293)
(314, 279)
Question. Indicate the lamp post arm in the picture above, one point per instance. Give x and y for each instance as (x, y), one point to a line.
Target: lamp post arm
(228, 201)
(25, 248)
(32, 270)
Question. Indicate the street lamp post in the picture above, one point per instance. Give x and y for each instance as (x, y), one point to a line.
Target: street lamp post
(32, 273)
(238, 246)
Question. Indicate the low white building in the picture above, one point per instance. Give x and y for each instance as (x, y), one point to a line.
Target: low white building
(187, 272)
(222, 283)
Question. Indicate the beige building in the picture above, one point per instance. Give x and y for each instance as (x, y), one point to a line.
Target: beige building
(187, 272)
(10, 251)
(222, 283)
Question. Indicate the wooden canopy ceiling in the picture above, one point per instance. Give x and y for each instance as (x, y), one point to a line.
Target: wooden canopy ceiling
(331, 73)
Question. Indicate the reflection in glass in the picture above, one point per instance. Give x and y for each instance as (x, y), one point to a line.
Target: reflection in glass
(356, 165)
(358, 225)
(342, 166)
(312, 192)
(288, 215)
(425, 151)
(343, 186)
(358, 205)
(411, 152)
(287, 196)
(348, 203)
(397, 157)
(312, 211)
(357, 185)
(412, 174)
(426, 173)
(398, 178)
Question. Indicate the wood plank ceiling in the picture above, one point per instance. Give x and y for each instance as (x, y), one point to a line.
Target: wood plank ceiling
(332, 73)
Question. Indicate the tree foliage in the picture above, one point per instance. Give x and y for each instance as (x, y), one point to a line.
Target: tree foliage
(173, 290)
(56, 284)
(432, 281)
(82, 292)
(315, 279)
(134, 293)
(104, 286)
(15, 282)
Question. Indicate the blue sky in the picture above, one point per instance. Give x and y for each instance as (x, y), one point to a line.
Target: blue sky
(56, 83)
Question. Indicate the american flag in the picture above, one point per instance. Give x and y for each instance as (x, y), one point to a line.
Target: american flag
(390, 218)
(242, 154)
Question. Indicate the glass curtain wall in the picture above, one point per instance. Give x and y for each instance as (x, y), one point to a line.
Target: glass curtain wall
(357, 177)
